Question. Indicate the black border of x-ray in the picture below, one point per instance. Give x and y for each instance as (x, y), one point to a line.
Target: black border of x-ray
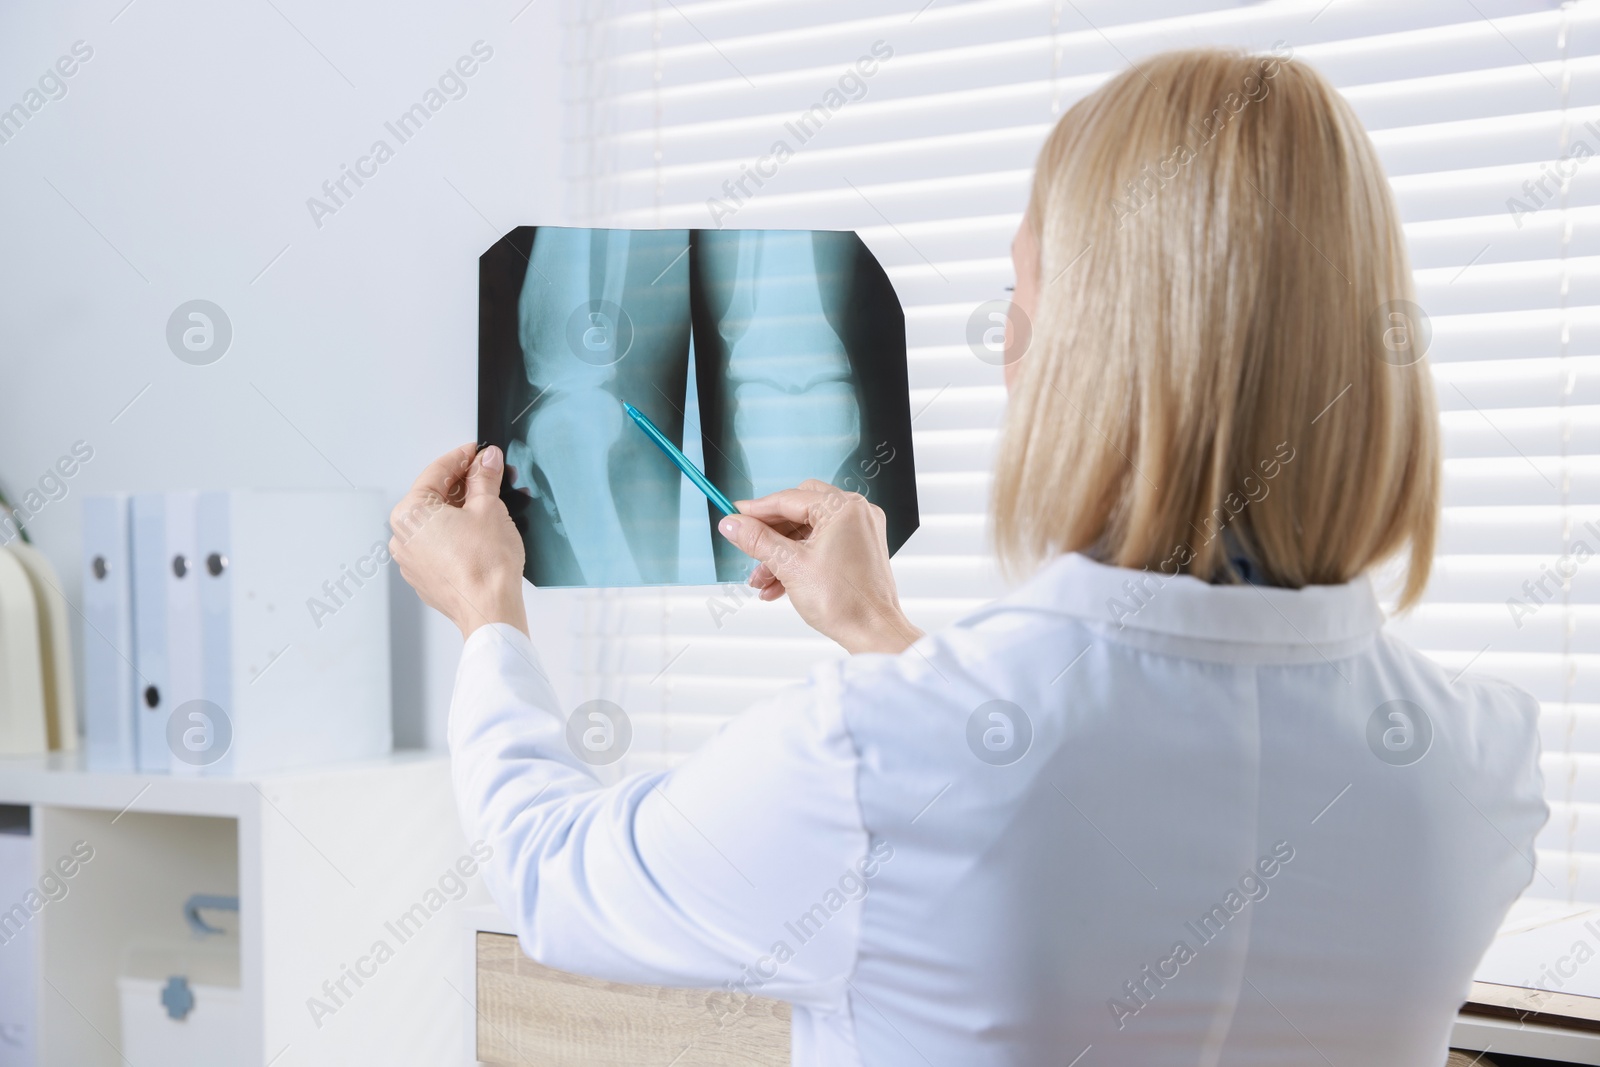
(505, 396)
(871, 325)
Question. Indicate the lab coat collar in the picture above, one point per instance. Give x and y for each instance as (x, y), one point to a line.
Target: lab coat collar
(1119, 598)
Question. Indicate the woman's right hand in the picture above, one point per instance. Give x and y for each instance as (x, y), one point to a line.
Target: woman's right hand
(828, 551)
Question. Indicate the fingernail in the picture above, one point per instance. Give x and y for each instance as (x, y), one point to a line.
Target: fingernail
(491, 458)
(728, 527)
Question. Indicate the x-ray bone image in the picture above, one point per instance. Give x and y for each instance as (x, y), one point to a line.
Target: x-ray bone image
(767, 356)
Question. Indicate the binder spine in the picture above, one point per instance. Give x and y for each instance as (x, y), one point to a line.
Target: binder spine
(183, 571)
(214, 573)
(111, 685)
(149, 549)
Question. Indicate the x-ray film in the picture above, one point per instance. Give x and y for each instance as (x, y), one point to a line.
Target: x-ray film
(767, 356)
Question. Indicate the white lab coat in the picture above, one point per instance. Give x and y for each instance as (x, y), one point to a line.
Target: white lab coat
(1194, 831)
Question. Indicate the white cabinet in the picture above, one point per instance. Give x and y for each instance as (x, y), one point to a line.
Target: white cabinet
(349, 884)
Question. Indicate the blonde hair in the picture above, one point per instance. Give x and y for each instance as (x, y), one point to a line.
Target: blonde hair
(1224, 337)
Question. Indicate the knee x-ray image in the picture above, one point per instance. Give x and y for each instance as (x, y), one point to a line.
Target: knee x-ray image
(767, 356)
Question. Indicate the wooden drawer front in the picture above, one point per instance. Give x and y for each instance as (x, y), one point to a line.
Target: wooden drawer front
(529, 1014)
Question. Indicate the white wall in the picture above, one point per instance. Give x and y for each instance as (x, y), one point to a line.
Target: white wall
(177, 166)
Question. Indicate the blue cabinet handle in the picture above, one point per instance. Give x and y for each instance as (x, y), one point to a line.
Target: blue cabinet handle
(191, 911)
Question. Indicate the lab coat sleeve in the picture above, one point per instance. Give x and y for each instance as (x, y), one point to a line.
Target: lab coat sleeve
(742, 870)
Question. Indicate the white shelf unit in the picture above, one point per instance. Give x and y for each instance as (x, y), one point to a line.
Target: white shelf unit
(325, 863)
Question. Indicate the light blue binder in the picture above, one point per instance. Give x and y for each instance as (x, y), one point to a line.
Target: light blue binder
(110, 685)
(214, 549)
(184, 570)
(149, 545)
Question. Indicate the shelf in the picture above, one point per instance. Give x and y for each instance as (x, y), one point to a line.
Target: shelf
(325, 862)
(61, 779)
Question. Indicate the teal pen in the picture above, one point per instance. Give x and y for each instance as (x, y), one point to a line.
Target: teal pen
(679, 460)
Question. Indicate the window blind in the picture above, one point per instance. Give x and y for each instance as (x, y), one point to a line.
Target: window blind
(1485, 114)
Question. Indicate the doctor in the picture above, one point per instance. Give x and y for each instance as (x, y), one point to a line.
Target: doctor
(1178, 799)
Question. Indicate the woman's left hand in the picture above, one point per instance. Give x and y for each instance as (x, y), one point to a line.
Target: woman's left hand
(456, 544)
